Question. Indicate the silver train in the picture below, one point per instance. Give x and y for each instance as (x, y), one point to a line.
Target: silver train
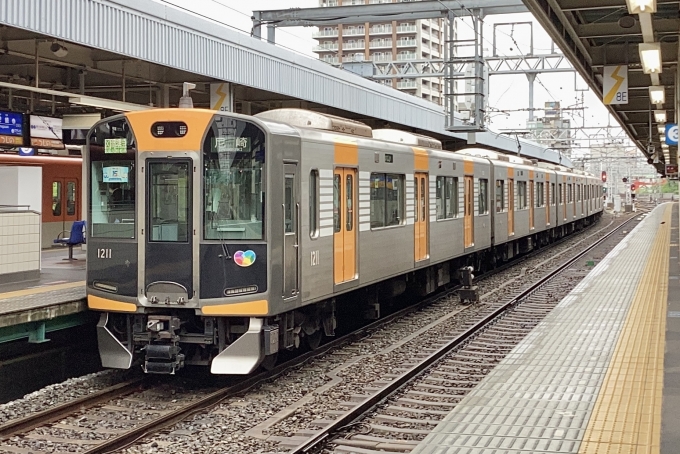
(221, 239)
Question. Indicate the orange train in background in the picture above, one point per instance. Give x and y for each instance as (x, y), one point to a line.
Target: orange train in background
(61, 191)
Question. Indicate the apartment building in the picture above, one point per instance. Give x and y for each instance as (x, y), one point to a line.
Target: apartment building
(386, 41)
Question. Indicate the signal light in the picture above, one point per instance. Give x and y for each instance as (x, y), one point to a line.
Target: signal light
(604, 176)
(632, 187)
(625, 180)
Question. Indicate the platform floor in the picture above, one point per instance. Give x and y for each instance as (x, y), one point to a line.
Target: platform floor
(590, 377)
(60, 291)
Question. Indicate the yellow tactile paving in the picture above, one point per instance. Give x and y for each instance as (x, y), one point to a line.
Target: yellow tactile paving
(35, 291)
(627, 414)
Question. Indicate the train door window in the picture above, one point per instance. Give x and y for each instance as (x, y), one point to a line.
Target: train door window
(337, 214)
(349, 191)
(570, 193)
(289, 204)
(500, 196)
(423, 204)
(71, 197)
(169, 201)
(483, 196)
(416, 195)
(314, 204)
(56, 198)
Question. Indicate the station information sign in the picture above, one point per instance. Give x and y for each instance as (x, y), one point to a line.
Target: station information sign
(46, 132)
(11, 128)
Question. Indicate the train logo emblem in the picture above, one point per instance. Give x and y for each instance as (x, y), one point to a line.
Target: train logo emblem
(244, 259)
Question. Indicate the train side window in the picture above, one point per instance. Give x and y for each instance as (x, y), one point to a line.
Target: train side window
(560, 195)
(447, 197)
(483, 196)
(552, 193)
(539, 194)
(71, 196)
(314, 204)
(56, 198)
(500, 196)
(451, 197)
(441, 200)
(522, 194)
(387, 200)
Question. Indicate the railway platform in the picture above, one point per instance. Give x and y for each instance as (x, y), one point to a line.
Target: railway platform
(56, 301)
(601, 374)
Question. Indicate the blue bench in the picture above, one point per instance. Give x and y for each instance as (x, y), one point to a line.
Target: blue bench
(76, 237)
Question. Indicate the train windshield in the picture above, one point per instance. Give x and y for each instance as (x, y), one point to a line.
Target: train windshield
(233, 161)
(112, 180)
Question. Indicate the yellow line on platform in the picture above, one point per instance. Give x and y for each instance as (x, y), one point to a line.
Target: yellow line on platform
(35, 291)
(627, 415)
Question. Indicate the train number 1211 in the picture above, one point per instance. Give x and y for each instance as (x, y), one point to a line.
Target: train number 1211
(103, 253)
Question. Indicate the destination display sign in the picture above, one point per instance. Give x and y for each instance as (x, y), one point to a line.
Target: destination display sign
(11, 124)
(46, 132)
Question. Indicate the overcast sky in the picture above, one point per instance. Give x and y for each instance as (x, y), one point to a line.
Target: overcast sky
(507, 92)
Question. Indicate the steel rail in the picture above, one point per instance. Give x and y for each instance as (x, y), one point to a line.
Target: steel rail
(407, 377)
(31, 421)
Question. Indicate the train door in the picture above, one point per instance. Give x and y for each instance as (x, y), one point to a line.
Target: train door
(421, 215)
(469, 212)
(344, 225)
(169, 238)
(532, 198)
(291, 220)
(511, 207)
(65, 193)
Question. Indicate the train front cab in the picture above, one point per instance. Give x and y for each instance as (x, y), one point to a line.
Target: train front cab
(178, 261)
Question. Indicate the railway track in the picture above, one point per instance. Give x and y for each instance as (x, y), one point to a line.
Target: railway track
(116, 418)
(405, 410)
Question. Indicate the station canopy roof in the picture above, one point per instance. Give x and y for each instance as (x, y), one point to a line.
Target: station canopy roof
(598, 33)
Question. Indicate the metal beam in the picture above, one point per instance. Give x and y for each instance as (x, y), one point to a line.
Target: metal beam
(613, 29)
(628, 54)
(413, 69)
(359, 14)
(582, 5)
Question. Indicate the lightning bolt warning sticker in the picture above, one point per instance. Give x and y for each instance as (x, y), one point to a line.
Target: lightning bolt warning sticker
(615, 84)
(219, 97)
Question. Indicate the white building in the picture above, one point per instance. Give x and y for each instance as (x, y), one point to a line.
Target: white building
(386, 41)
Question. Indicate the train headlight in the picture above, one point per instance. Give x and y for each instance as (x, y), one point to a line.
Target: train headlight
(169, 129)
